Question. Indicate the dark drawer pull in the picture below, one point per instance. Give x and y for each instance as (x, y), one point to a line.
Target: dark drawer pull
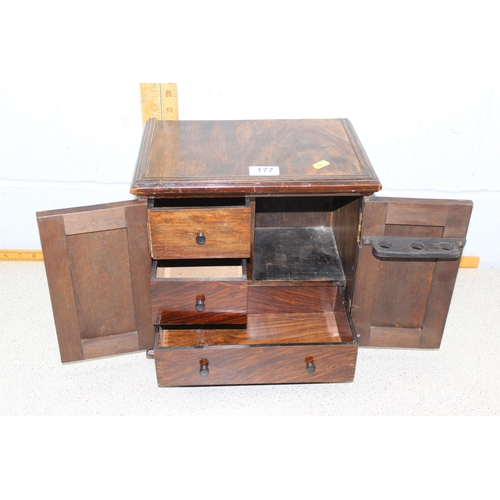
(310, 367)
(201, 238)
(200, 303)
(204, 371)
(397, 247)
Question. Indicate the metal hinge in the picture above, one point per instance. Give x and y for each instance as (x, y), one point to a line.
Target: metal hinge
(360, 227)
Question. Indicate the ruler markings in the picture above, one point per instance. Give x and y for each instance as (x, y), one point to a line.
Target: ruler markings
(34, 255)
(160, 101)
(169, 104)
(469, 262)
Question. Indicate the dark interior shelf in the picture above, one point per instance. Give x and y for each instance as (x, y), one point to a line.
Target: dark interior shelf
(296, 253)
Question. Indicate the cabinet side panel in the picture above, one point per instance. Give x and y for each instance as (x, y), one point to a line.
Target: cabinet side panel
(345, 219)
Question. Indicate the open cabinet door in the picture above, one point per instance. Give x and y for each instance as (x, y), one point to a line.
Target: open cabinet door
(98, 271)
(407, 265)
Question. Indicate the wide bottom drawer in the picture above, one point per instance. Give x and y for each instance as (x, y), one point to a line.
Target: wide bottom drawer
(272, 349)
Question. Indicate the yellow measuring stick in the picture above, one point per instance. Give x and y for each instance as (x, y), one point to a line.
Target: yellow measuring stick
(159, 100)
(35, 255)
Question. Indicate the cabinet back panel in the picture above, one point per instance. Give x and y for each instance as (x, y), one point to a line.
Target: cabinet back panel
(293, 212)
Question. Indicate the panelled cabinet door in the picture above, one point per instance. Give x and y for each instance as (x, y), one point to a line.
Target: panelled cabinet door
(98, 270)
(401, 296)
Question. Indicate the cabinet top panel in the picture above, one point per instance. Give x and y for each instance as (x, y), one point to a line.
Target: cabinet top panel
(252, 157)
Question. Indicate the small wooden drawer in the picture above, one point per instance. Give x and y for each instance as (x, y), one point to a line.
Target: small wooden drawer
(271, 349)
(212, 291)
(201, 230)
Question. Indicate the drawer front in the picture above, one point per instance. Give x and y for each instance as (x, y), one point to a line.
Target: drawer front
(195, 233)
(199, 302)
(255, 365)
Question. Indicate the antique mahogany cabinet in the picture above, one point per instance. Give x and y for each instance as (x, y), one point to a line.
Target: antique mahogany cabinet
(254, 253)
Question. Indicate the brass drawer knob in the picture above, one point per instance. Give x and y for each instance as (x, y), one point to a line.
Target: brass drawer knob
(201, 238)
(310, 367)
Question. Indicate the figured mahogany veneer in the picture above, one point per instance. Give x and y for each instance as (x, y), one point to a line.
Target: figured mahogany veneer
(225, 232)
(273, 348)
(200, 158)
(221, 298)
(297, 297)
(270, 348)
(283, 364)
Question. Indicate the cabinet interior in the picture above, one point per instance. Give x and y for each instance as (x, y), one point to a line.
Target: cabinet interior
(324, 327)
(294, 239)
(305, 238)
(296, 273)
(262, 329)
(197, 202)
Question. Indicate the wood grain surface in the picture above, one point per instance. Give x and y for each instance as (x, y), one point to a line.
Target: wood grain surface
(268, 298)
(98, 268)
(173, 232)
(185, 158)
(274, 348)
(174, 301)
(405, 302)
(256, 365)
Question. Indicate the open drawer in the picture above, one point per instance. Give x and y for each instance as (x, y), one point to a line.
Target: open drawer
(206, 291)
(271, 349)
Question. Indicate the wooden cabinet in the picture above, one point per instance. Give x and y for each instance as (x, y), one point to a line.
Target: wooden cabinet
(255, 253)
